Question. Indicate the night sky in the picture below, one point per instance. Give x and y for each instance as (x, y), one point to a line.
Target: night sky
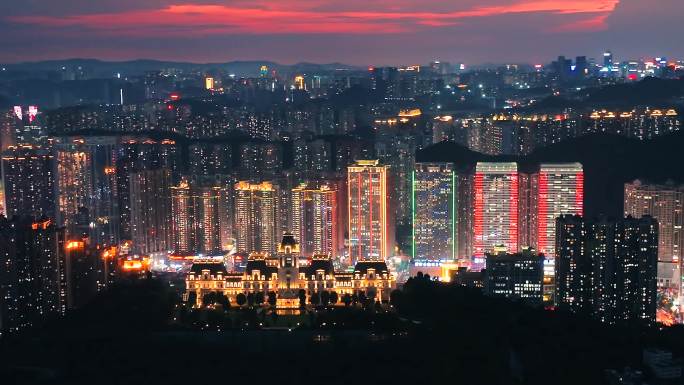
(349, 31)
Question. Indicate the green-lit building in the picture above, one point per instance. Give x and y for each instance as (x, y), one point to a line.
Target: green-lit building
(434, 207)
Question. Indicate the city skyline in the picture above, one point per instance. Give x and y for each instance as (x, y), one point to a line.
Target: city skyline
(378, 34)
(406, 192)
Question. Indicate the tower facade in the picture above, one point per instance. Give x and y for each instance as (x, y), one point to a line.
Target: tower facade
(30, 272)
(256, 208)
(434, 207)
(495, 207)
(607, 269)
(87, 200)
(559, 191)
(664, 202)
(28, 173)
(315, 219)
(198, 217)
(369, 233)
(151, 211)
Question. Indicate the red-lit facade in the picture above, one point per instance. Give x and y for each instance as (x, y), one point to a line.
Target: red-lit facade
(559, 191)
(369, 238)
(496, 205)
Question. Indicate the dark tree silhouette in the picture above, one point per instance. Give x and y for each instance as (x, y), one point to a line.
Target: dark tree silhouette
(209, 299)
(241, 299)
(259, 298)
(334, 298)
(372, 294)
(192, 298)
(395, 298)
(272, 298)
(363, 298)
(315, 298)
(347, 299)
(325, 298)
(223, 300)
(302, 298)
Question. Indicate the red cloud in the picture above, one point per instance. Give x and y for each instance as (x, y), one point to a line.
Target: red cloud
(596, 23)
(298, 18)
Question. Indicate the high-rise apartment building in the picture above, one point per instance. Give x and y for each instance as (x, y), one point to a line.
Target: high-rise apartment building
(256, 214)
(198, 216)
(86, 188)
(315, 219)
(150, 192)
(435, 212)
(30, 272)
(515, 276)
(136, 154)
(182, 207)
(260, 161)
(664, 202)
(28, 175)
(370, 235)
(210, 158)
(83, 273)
(558, 190)
(396, 148)
(495, 214)
(74, 174)
(209, 215)
(607, 269)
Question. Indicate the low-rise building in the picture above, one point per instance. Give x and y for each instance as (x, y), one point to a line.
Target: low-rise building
(286, 273)
(515, 276)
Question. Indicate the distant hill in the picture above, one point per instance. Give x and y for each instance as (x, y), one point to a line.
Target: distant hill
(139, 67)
(609, 161)
(647, 92)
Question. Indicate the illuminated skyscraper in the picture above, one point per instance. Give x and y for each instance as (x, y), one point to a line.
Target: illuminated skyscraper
(396, 148)
(151, 211)
(608, 60)
(182, 218)
(208, 218)
(197, 216)
(73, 187)
(495, 207)
(315, 219)
(434, 207)
(209, 83)
(28, 175)
(370, 238)
(86, 188)
(135, 155)
(256, 213)
(8, 120)
(666, 204)
(559, 190)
